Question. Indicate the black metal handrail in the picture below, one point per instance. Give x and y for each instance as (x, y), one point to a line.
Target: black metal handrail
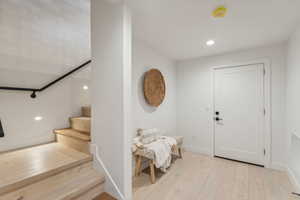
(1, 130)
(35, 90)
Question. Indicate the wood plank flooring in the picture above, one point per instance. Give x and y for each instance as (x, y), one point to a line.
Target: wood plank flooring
(199, 177)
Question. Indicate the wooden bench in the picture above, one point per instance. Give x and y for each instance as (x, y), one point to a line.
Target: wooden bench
(140, 154)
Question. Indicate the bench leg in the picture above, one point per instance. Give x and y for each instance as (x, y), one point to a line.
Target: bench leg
(180, 152)
(152, 172)
(138, 165)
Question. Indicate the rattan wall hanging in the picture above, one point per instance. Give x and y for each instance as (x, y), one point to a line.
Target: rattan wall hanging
(154, 87)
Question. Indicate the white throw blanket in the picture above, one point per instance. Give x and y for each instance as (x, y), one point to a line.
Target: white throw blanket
(169, 140)
(162, 149)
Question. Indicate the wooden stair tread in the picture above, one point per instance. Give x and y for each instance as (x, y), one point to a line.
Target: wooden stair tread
(63, 186)
(23, 167)
(105, 196)
(73, 133)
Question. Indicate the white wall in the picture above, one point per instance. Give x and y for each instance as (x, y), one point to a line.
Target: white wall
(55, 105)
(194, 98)
(292, 102)
(144, 115)
(111, 93)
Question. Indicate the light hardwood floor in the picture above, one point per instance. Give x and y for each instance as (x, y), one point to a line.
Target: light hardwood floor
(23, 167)
(199, 177)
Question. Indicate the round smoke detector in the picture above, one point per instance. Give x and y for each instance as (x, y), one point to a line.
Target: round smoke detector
(219, 12)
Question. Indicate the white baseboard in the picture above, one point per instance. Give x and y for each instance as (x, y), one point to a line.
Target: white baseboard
(207, 151)
(199, 150)
(110, 185)
(293, 179)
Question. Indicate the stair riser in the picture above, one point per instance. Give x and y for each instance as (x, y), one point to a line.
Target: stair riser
(41, 189)
(24, 167)
(81, 124)
(92, 193)
(86, 111)
(83, 191)
(76, 144)
(73, 134)
(30, 180)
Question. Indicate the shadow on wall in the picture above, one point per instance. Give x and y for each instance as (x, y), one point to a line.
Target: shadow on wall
(294, 156)
(140, 91)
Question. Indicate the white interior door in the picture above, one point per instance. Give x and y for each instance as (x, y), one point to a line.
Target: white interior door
(239, 113)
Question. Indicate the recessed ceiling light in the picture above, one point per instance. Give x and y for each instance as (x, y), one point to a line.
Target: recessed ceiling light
(210, 42)
(85, 87)
(38, 118)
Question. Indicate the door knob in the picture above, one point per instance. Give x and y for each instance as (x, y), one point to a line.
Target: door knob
(218, 119)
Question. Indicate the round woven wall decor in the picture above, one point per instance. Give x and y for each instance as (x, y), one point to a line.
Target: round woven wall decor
(154, 87)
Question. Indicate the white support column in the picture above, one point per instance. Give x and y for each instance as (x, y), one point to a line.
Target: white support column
(111, 91)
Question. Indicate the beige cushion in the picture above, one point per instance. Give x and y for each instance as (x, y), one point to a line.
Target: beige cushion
(145, 132)
(150, 155)
(147, 139)
(179, 140)
(148, 136)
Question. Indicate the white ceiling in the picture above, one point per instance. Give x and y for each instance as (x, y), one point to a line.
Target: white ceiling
(41, 37)
(49, 36)
(179, 29)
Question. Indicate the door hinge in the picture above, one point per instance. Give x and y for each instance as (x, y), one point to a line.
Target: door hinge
(264, 71)
(264, 111)
(264, 152)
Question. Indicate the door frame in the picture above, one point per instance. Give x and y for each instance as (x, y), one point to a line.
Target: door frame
(267, 130)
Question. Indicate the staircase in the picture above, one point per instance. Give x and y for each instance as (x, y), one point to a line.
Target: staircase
(78, 136)
(55, 171)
